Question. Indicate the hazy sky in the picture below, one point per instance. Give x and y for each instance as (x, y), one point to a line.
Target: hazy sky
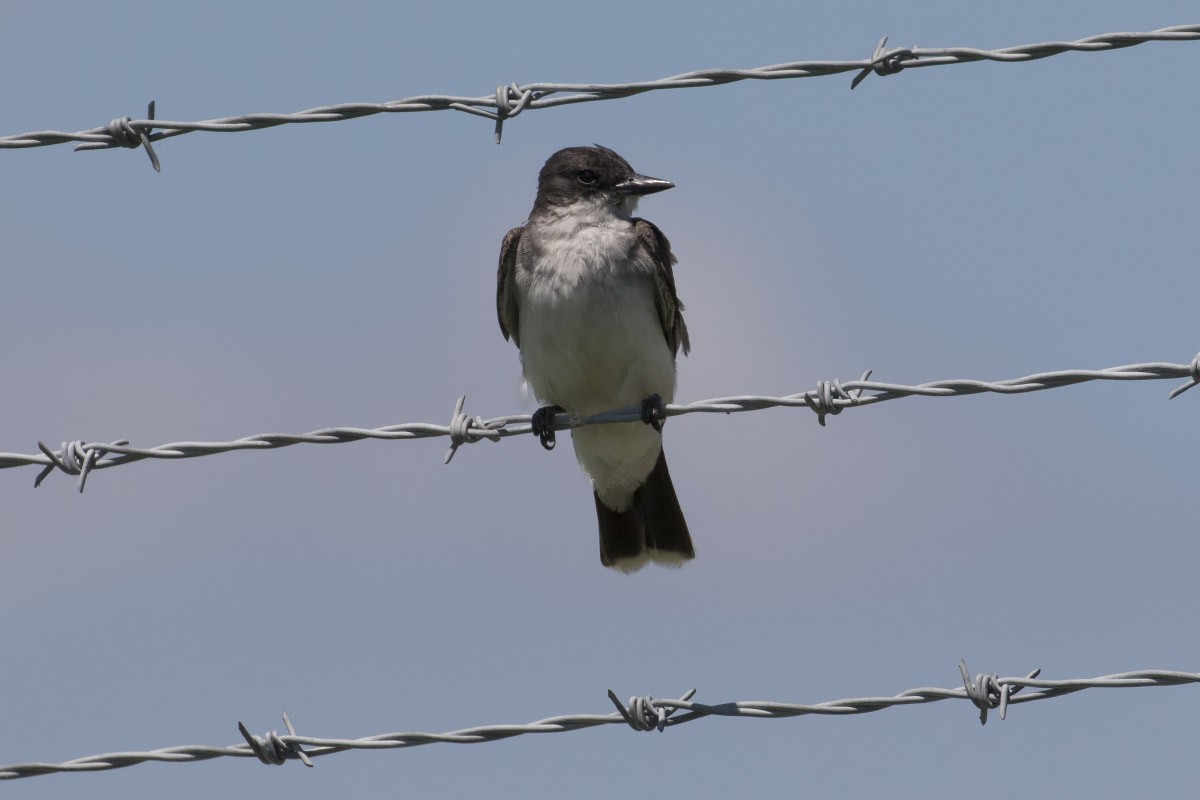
(976, 221)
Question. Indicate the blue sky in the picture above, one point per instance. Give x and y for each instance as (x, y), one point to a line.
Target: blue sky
(982, 221)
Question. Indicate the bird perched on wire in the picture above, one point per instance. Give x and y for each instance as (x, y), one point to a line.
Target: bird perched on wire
(586, 292)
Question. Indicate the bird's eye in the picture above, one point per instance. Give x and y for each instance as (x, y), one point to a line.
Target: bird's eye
(586, 177)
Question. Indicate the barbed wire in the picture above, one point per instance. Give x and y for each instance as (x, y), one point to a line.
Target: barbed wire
(829, 398)
(510, 100)
(985, 692)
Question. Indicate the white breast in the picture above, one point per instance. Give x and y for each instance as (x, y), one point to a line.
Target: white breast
(590, 334)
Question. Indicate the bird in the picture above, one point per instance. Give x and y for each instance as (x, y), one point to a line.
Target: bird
(587, 293)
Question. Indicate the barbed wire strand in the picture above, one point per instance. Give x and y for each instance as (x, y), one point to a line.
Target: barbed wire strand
(985, 692)
(829, 398)
(510, 100)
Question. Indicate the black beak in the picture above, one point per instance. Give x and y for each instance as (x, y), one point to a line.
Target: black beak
(640, 184)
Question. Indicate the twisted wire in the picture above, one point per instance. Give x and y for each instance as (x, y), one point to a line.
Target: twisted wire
(641, 714)
(512, 99)
(79, 458)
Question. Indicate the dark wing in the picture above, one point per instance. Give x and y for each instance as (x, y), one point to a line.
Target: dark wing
(670, 310)
(506, 286)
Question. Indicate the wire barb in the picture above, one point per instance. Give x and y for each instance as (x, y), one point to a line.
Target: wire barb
(124, 132)
(645, 713)
(464, 430)
(884, 63)
(1195, 370)
(504, 107)
(989, 691)
(509, 100)
(271, 748)
(73, 458)
(823, 400)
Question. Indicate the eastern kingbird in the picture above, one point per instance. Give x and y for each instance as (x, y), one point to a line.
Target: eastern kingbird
(586, 292)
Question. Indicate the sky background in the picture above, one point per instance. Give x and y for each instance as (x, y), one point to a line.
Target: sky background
(975, 221)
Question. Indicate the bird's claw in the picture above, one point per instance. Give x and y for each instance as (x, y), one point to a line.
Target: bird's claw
(653, 412)
(542, 425)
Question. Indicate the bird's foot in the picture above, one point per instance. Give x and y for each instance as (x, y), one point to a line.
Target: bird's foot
(653, 412)
(542, 425)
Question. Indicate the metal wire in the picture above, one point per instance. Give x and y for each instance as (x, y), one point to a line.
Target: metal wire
(512, 99)
(830, 397)
(641, 713)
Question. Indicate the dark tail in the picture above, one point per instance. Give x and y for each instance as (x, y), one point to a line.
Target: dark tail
(651, 529)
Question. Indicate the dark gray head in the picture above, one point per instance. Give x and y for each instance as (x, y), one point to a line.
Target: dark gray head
(592, 173)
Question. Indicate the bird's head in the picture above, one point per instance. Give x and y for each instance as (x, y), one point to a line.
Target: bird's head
(595, 176)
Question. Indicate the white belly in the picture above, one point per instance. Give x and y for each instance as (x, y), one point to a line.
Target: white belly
(596, 347)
